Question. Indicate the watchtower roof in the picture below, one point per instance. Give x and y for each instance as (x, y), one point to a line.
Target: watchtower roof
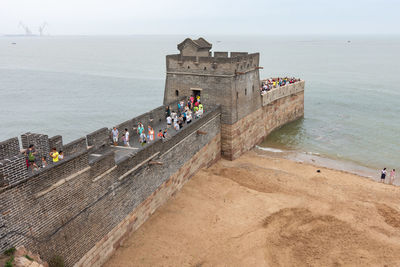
(200, 43)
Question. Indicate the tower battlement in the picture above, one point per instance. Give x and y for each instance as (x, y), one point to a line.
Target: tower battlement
(222, 63)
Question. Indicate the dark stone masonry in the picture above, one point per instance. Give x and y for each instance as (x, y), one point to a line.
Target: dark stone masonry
(83, 207)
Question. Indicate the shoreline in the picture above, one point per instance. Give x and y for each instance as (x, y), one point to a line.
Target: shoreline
(318, 160)
(264, 209)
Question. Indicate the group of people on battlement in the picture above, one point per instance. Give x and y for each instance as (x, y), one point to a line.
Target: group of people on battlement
(185, 114)
(187, 111)
(271, 83)
(34, 164)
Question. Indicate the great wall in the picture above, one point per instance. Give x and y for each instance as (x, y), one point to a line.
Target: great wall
(83, 207)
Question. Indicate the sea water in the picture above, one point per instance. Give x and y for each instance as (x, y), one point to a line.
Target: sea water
(72, 85)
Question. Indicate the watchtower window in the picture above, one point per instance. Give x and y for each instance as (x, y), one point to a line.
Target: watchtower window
(245, 91)
(248, 65)
(176, 92)
(237, 95)
(253, 88)
(188, 67)
(205, 68)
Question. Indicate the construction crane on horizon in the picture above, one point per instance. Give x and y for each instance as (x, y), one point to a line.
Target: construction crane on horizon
(41, 28)
(27, 30)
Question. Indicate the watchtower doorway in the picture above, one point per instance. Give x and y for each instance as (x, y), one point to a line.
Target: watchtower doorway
(196, 92)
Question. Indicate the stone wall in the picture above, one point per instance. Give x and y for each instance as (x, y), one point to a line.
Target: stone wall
(276, 93)
(232, 82)
(252, 129)
(13, 170)
(68, 208)
(77, 146)
(40, 141)
(98, 138)
(103, 249)
(9, 148)
(57, 142)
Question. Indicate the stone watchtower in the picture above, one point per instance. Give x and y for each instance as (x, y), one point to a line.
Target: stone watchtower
(231, 80)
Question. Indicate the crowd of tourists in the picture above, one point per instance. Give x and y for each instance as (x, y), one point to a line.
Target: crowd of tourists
(392, 175)
(33, 163)
(185, 113)
(271, 83)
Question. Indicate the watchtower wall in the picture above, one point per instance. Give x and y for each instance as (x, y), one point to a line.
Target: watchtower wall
(231, 81)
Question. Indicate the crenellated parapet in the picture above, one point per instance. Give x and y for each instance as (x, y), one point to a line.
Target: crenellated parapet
(220, 65)
(9, 148)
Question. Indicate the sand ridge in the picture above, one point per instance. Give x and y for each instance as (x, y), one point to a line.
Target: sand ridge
(266, 211)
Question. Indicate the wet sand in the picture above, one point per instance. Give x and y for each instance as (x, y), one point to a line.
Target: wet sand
(263, 210)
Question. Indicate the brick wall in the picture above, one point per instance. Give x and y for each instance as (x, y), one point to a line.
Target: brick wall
(287, 90)
(13, 170)
(69, 207)
(230, 82)
(252, 129)
(57, 142)
(40, 141)
(102, 164)
(104, 248)
(77, 146)
(98, 138)
(9, 148)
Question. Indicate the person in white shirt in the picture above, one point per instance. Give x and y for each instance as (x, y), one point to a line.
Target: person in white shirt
(169, 121)
(126, 141)
(189, 117)
(383, 175)
(176, 126)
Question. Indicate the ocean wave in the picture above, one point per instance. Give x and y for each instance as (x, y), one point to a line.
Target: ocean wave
(270, 149)
(313, 153)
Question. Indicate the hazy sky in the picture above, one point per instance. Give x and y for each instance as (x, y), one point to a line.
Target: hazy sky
(202, 16)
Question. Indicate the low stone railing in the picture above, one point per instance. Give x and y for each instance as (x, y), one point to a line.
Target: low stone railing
(280, 92)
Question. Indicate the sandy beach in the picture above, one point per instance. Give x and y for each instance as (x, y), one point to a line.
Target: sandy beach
(265, 210)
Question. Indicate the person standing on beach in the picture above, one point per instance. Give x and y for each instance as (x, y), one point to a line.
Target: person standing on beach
(392, 176)
(383, 175)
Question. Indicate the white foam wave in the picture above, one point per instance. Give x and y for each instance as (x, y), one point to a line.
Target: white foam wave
(269, 149)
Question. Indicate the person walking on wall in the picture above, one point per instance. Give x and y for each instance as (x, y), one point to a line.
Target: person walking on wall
(160, 134)
(30, 153)
(383, 175)
(140, 130)
(392, 176)
(142, 139)
(127, 138)
(54, 154)
(114, 135)
(169, 121)
(151, 134)
(44, 162)
(61, 155)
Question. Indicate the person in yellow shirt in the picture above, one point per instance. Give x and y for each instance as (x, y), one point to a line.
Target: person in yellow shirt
(54, 154)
